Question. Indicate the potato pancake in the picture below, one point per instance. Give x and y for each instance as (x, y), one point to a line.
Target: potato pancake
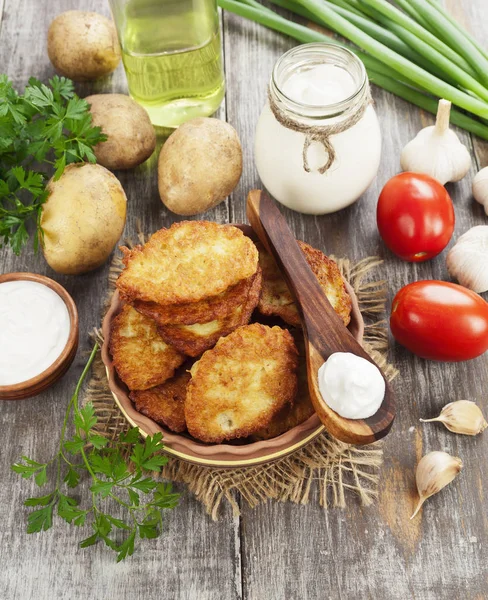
(188, 262)
(204, 311)
(141, 357)
(302, 408)
(165, 403)
(276, 298)
(237, 387)
(194, 339)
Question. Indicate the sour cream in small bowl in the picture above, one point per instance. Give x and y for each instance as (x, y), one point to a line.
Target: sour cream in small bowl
(38, 334)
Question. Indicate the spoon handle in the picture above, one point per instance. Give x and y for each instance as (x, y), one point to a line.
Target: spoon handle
(323, 330)
(315, 310)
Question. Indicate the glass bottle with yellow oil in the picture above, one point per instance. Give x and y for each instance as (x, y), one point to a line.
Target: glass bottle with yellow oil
(172, 57)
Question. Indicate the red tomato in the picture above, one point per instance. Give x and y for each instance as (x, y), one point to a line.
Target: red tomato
(440, 321)
(415, 216)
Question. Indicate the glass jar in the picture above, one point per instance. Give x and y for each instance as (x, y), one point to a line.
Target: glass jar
(172, 57)
(292, 142)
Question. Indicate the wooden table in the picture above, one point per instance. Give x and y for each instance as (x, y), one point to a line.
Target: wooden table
(278, 550)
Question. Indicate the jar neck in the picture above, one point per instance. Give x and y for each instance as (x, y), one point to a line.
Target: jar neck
(306, 57)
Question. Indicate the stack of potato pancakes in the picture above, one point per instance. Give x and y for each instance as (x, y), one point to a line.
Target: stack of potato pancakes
(183, 343)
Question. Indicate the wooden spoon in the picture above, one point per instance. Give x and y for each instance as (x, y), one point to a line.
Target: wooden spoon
(324, 331)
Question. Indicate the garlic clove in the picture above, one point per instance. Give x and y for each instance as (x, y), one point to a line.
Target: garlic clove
(463, 417)
(434, 471)
(480, 188)
(437, 150)
(467, 260)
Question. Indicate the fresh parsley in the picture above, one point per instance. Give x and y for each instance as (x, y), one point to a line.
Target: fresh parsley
(41, 131)
(140, 497)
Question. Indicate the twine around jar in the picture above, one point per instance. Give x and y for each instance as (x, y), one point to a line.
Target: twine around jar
(319, 133)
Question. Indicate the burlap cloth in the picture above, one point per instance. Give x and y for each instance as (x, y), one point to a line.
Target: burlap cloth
(338, 469)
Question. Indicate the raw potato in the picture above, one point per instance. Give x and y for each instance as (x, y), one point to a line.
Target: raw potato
(82, 219)
(83, 45)
(131, 136)
(199, 166)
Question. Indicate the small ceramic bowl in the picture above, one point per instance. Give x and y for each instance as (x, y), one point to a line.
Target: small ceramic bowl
(225, 455)
(39, 383)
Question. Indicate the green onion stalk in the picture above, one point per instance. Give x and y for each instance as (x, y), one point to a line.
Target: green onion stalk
(372, 28)
(462, 44)
(396, 16)
(419, 76)
(457, 25)
(394, 62)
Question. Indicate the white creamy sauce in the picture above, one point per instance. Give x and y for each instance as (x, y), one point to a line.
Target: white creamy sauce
(279, 150)
(34, 329)
(320, 85)
(352, 386)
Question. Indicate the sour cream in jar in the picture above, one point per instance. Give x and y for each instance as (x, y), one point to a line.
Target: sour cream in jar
(34, 330)
(351, 385)
(318, 85)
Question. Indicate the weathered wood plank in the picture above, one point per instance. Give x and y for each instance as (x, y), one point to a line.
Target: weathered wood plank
(194, 557)
(288, 551)
(304, 552)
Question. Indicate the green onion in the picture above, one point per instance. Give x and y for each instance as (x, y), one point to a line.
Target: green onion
(364, 10)
(427, 103)
(299, 32)
(453, 21)
(385, 67)
(349, 7)
(385, 36)
(272, 20)
(394, 15)
(462, 44)
(371, 28)
(255, 4)
(405, 5)
(450, 69)
(418, 75)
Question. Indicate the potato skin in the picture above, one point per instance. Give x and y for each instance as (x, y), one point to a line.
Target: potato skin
(83, 45)
(199, 166)
(82, 219)
(131, 136)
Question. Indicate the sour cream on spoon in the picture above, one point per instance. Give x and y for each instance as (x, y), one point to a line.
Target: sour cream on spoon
(351, 385)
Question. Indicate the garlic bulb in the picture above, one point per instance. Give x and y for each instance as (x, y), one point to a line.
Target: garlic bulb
(480, 188)
(462, 416)
(434, 471)
(467, 260)
(437, 151)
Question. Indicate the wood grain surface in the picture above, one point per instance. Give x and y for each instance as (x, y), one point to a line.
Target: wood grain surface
(277, 551)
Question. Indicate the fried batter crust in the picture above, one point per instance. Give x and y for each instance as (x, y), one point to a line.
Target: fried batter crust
(276, 299)
(237, 387)
(204, 311)
(190, 261)
(141, 357)
(194, 339)
(165, 403)
(294, 414)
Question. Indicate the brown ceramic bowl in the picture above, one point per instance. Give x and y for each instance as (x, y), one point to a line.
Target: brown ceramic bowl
(182, 445)
(41, 382)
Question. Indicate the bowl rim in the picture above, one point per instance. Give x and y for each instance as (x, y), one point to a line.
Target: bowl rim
(16, 389)
(312, 423)
(193, 451)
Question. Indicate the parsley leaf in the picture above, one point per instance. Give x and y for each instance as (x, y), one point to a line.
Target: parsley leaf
(47, 126)
(134, 491)
(40, 519)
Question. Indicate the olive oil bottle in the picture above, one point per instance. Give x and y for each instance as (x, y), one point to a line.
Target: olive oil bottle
(172, 57)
